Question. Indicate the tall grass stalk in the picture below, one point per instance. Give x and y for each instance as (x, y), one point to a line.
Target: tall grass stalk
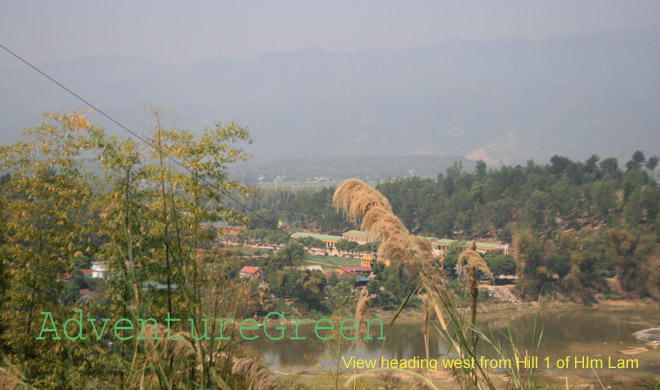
(359, 201)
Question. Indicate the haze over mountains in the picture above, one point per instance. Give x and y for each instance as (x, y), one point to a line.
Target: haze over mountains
(503, 101)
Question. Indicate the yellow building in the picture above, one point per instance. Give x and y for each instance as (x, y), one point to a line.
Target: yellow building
(367, 260)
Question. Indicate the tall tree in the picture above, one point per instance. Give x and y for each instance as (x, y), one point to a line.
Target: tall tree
(47, 204)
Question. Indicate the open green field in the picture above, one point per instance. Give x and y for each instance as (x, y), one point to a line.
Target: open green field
(328, 261)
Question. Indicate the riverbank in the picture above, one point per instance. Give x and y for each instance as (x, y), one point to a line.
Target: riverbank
(494, 307)
(599, 332)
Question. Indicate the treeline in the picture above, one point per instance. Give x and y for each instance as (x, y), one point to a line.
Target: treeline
(567, 220)
(572, 224)
(563, 194)
(307, 209)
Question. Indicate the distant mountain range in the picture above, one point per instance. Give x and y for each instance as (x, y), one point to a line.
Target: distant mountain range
(502, 101)
(332, 170)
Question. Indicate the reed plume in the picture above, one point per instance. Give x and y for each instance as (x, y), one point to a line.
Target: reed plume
(256, 373)
(358, 200)
(468, 263)
(362, 311)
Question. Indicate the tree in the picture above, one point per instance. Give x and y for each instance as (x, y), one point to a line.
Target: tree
(591, 165)
(530, 268)
(346, 245)
(47, 203)
(559, 164)
(500, 264)
(636, 161)
(610, 165)
(629, 251)
(480, 169)
(306, 287)
(152, 212)
(312, 242)
(291, 255)
(652, 163)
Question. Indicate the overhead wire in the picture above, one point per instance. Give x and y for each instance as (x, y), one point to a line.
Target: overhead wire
(150, 144)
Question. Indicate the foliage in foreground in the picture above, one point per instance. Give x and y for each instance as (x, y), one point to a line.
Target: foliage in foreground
(75, 194)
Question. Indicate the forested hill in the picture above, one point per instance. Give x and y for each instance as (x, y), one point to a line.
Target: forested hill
(562, 194)
(571, 223)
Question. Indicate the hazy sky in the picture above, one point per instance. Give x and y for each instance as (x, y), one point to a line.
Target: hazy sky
(172, 32)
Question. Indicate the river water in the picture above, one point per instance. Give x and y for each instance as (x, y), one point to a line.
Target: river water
(596, 333)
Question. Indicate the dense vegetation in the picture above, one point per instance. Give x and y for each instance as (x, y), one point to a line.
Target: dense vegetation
(71, 194)
(571, 223)
(141, 215)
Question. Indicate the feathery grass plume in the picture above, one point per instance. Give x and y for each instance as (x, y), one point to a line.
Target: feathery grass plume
(256, 373)
(362, 311)
(387, 224)
(175, 348)
(468, 263)
(359, 200)
(356, 192)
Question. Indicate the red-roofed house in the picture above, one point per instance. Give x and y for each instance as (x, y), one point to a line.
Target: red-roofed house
(87, 273)
(250, 272)
(654, 261)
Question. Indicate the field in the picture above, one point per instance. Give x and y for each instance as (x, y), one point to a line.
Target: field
(329, 261)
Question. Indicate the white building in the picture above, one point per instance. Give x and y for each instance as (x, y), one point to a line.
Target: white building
(99, 269)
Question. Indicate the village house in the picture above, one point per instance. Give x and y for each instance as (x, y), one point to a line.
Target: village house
(250, 272)
(367, 260)
(361, 237)
(441, 246)
(99, 270)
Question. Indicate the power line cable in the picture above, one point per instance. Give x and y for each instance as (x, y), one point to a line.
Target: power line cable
(139, 137)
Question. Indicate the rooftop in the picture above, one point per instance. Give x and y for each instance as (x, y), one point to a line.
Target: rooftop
(356, 268)
(362, 233)
(250, 270)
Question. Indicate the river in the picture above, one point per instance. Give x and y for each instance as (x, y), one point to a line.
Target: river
(597, 333)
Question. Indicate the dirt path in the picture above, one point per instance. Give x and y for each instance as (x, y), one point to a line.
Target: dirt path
(503, 293)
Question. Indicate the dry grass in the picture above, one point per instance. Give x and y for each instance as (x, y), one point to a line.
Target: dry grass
(358, 200)
(468, 263)
(255, 373)
(362, 311)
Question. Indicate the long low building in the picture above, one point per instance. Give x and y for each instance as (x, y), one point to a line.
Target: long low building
(438, 245)
(330, 241)
(482, 247)
(361, 237)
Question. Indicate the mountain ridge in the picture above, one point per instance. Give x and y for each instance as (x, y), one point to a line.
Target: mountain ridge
(503, 100)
